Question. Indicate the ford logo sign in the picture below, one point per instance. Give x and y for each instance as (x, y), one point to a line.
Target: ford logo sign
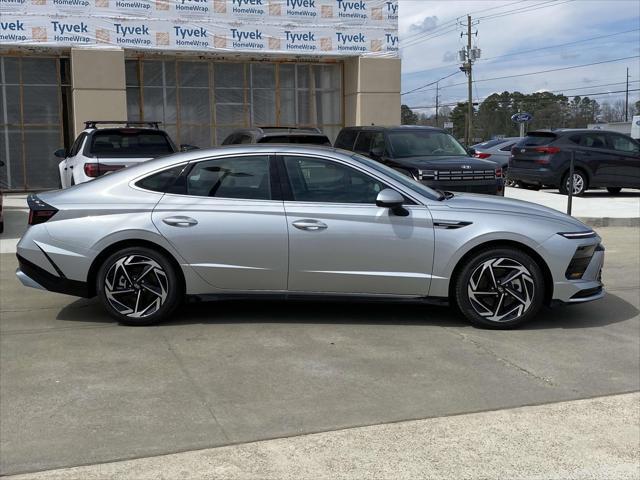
(523, 117)
(638, 122)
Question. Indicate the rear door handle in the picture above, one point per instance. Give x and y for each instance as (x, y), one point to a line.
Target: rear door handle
(310, 225)
(180, 221)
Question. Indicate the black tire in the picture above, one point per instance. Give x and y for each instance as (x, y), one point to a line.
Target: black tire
(2, 227)
(504, 262)
(160, 288)
(614, 190)
(582, 180)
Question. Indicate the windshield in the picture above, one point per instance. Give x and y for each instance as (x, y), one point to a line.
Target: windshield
(399, 177)
(424, 143)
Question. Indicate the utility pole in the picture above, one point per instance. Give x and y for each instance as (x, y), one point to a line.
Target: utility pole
(626, 100)
(469, 55)
(437, 103)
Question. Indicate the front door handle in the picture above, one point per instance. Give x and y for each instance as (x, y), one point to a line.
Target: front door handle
(310, 225)
(180, 221)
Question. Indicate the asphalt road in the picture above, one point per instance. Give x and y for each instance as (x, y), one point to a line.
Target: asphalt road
(76, 388)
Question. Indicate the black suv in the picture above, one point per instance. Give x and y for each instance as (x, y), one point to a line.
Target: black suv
(602, 159)
(429, 155)
(310, 136)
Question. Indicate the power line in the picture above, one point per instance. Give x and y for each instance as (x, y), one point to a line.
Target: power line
(526, 9)
(432, 83)
(535, 49)
(534, 101)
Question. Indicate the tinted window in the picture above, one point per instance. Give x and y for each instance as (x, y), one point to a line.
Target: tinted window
(77, 144)
(304, 139)
(233, 177)
(593, 140)
(316, 180)
(535, 139)
(363, 143)
(132, 142)
(161, 181)
(624, 144)
(346, 138)
(424, 143)
(489, 144)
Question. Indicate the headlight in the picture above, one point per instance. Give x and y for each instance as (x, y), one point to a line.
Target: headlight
(578, 235)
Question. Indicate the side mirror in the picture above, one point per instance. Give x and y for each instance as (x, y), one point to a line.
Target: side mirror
(60, 153)
(376, 153)
(392, 200)
(185, 147)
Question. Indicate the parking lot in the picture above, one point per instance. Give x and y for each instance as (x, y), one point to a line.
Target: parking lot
(76, 388)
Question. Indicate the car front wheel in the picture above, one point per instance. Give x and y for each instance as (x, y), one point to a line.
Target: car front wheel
(138, 286)
(500, 288)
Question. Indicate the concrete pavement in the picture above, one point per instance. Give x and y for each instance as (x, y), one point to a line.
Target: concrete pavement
(595, 438)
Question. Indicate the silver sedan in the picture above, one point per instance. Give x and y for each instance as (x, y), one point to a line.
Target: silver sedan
(300, 222)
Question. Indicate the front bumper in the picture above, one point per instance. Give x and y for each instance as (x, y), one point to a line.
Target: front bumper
(31, 275)
(587, 289)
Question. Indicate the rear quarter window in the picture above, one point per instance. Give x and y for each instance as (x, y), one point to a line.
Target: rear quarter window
(163, 181)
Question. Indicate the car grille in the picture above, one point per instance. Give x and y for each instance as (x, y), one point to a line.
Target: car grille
(453, 175)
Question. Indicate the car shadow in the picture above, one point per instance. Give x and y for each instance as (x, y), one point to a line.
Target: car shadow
(601, 193)
(612, 309)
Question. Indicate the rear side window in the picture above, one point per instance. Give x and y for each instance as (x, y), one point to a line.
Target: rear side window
(590, 140)
(231, 177)
(345, 139)
(533, 140)
(135, 143)
(162, 181)
(363, 143)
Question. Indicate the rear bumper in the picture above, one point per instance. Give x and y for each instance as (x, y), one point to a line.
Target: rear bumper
(31, 275)
(537, 176)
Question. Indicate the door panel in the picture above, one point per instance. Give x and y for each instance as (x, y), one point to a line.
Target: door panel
(359, 249)
(236, 244)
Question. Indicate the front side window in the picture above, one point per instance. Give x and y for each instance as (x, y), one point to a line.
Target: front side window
(424, 143)
(325, 181)
(624, 144)
(231, 177)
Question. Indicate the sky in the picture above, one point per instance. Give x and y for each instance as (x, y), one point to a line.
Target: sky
(430, 41)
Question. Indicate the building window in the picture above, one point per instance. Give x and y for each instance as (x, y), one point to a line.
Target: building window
(34, 120)
(201, 102)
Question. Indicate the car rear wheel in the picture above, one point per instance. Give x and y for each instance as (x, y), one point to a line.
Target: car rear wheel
(138, 286)
(580, 183)
(614, 190)
(500, 288)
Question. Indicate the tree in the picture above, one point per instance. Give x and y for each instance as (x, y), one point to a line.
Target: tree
(407, 116)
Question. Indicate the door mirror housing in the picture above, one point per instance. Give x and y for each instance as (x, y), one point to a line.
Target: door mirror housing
(60, 153)
(185, 147)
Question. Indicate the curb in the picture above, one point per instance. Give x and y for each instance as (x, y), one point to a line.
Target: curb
(610, 221)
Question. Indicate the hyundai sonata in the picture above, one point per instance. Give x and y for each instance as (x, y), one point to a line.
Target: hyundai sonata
(300, 222)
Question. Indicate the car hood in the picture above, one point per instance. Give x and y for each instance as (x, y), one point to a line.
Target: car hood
(446, 162)
(471, 201)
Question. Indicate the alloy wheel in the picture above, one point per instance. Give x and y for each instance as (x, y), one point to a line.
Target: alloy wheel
(501, 289)
(136, 286)
(578, 184)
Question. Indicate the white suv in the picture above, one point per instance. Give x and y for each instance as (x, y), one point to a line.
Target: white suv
(97, 151)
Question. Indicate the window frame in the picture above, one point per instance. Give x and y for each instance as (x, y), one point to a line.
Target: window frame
(287, 190)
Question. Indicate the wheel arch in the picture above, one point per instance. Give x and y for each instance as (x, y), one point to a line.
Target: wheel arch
(119, 245)
(546, 272)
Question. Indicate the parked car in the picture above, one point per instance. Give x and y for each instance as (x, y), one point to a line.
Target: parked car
(97, 151)
(497, 150)
(310, 136)
(293, 221)
(430, 155)
(602, 159)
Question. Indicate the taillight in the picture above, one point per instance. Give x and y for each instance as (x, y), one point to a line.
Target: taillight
(498, 172)
(482, 155)
(96, 169)
(546, 150)
(39, 211)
